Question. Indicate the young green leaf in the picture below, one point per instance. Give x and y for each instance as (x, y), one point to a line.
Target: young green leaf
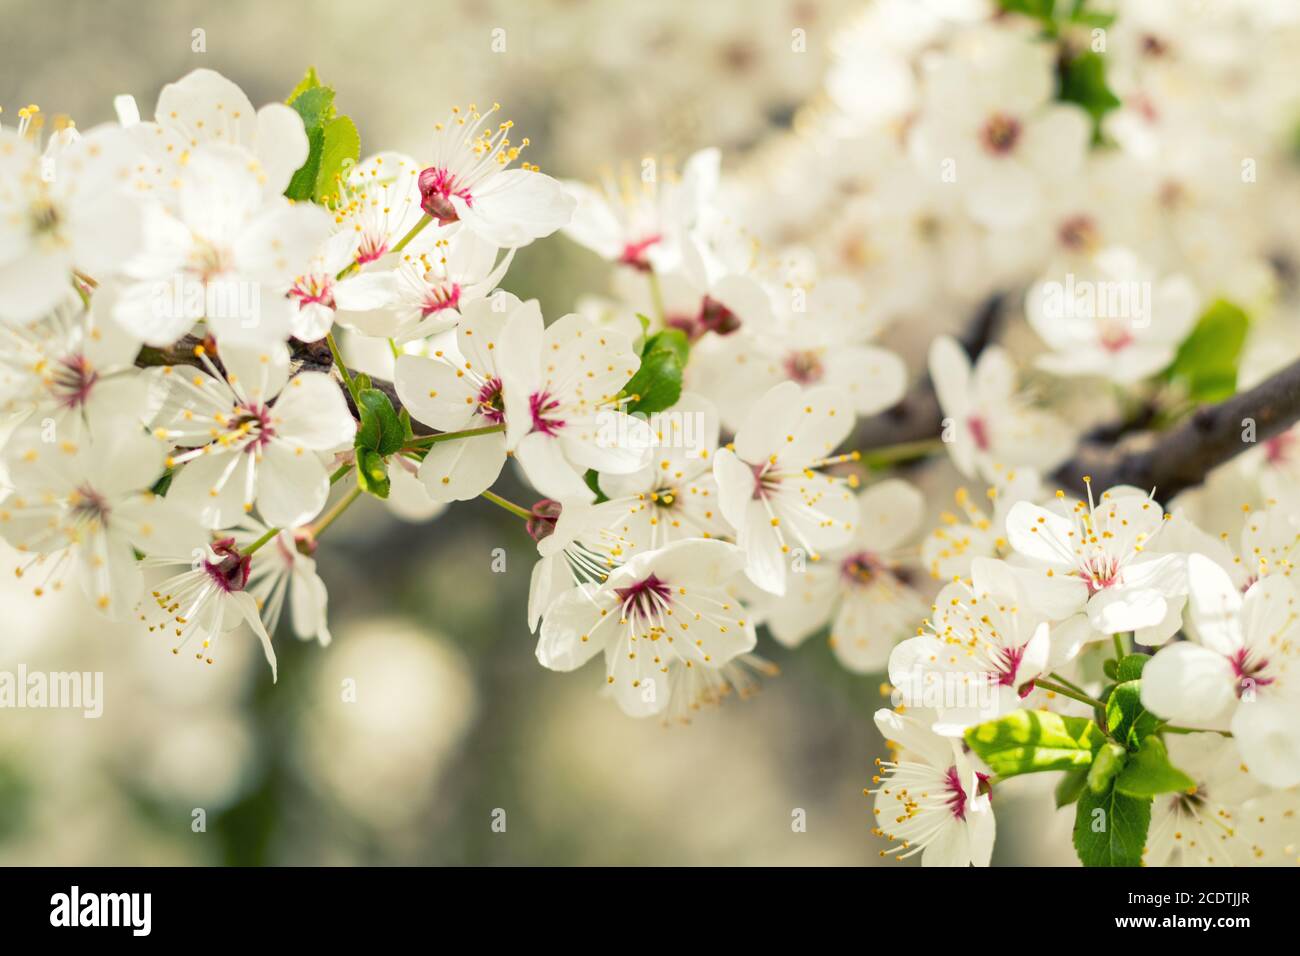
(1108, 762)
(1030, 741)
(1110, 828)
(1126, 719)
(1083, 81)
(1149, 772)
(657, 385)
(372, 473)
(1206, 362)
(1130, 667)
(333, 143)
(380, 429)
(1071, 784)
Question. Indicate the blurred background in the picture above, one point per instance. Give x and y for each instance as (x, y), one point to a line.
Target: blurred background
(454, 725)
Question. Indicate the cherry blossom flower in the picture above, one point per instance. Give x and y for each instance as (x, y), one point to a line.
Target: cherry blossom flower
(769, 486)
(284, 572)
(930, 799)
(251, 436)
(1237, 674)
(662, 609)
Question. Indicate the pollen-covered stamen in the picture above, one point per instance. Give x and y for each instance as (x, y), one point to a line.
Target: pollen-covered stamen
(466, 152)
(644, 600)
(1099, 572)
(71, 380)
(805, 367)
(373, 245)
(1000, 134)
(315, 289)
(543, 407)
(923, 800)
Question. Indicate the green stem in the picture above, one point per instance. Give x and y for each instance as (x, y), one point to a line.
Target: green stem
(1194, 730)
(348, 380)
(510, 506)
(1066, 692)
(341, 472)
(341, 506)
(397, 353)
(657, 296)
(425, 440)
(1070, 684)
(1119, 647)
(906, 451)
(252, 548)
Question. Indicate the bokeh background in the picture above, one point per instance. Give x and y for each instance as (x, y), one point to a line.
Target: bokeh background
(453, 720)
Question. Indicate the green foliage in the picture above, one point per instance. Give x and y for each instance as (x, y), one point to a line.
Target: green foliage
(372, 473)
(1149, 772)
(1206, 362)
(381, 429)
(333, 141)
(1083, 81)
(1130, 667)
(1127, 721)
(1110, 828)
(1106, 765)
(1070, 786)
(1030, 741)
(657, 385)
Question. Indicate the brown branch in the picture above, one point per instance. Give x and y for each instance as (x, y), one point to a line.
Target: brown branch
(918, 415)
(1180, 458)
(306, 356)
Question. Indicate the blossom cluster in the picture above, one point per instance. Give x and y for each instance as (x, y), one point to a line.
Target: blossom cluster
(172, 292)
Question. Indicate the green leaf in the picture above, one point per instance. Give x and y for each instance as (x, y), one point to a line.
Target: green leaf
(657, 384)
(670, 340)
(1038, 9)
(309, 81)
(1083, 81)
(1130, 667)
(1149, 772)
(1030, 741)
(333, 142)
(1110, 667)
(404, 417)
(1126, 719)
(592, 478)
(372, 473)
(1206, 362)
(1110, 828)
(1071, 784)
(1109, 761)
(380, 429)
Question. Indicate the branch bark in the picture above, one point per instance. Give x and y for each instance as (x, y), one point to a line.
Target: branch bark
(1181, 457)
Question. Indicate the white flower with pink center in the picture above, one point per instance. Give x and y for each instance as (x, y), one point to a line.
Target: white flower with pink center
(1118, 319)
(988, 421)
(978, 654)
(459, 388)
(1092, 556)
(247, 434)
(563, 386)
(88, 505)
(424, 290)
(283, 574)
(770, 486)
(663, 609)
(1240, 671)
(229, 258)
(208, 600)
(469, 180)
(930, 799)
(865, 590)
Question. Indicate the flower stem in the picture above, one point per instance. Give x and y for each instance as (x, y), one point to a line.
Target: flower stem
(906, 451)
(510, 506)
(1066, 692)
(329, 517)
(657, 296)
(252, 548)
(348, 380)
(1119, 647)
(1070, 684)
(424, 440)
(1194, 730)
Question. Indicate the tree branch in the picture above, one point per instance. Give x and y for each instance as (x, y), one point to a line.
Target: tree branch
(1180, 458)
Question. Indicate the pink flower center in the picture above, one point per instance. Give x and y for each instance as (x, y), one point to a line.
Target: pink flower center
(444, 295)
(1099, 573)
(230, 571)
(543, 407)
(313, 290)
(371, 247)
(72, 380)
(634, 253)
(1115, 336)
(804, 367)
(1000, 134)
(956, 795)
(1249, 670)
(254, 421)
(1278, 450)
(437, 186)
(645, 599)
(979, 431)
(491, 403)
